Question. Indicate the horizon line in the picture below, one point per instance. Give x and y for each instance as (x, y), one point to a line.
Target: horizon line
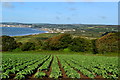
(58, 23)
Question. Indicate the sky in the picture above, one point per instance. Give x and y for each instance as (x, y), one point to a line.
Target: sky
(61, 12)
(60, 0)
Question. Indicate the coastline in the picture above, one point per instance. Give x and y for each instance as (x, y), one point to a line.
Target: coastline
(38, 31)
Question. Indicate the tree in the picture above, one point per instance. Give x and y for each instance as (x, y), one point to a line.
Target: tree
(19, 44)
(58, 42)
(78, 45)
(94, 47)
(28, 46)
(38, 44)
(8, 43)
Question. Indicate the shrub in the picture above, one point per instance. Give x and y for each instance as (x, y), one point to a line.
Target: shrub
(94, 47)
(58, 42)
(17, 50)
(8, 43)
(28, 46)
(66, 50)
(79, 45)
(19, 44)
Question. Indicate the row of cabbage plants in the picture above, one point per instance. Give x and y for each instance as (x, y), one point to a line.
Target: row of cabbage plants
(70, 72)
(92, 66)
(55, 73)
(23, 65)
(25, 62)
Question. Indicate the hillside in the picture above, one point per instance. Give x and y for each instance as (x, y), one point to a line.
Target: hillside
(108, 43)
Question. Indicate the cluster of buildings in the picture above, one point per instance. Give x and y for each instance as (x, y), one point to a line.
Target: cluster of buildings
(20, 25)
(57, 30)
(50, 30)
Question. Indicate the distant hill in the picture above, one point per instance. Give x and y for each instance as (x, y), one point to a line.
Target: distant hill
(14, 23)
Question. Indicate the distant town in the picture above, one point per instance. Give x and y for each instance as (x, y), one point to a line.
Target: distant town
(50, 30)
(86, 30)
(15, 25)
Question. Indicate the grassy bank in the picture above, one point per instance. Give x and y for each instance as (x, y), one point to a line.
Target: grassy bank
(62, 52)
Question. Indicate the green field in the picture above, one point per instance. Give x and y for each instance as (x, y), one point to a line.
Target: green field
(32, 38)
(30, 66)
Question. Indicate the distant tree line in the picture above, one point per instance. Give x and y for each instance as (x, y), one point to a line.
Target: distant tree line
(107, 43)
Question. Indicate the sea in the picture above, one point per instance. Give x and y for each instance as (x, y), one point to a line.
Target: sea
(19, 31)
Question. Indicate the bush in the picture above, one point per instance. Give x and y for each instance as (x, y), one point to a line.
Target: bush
(66, 50)
(94, 47)
(38, 44)
(8, 43)
(79, 45)
(58, 42)
(17, 50)
(19, 44)
(28, 46)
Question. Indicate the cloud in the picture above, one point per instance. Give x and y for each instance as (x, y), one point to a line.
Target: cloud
(72, 9)
(59, 1)
(13, 0)
(22, 3)
(99, 0)
(88, 0)
(103, 17)
(8, 5)
(57, 17)
(36, 8)
(68, 18)
(74, 14)
(70, 0)
(59, 13)
(40, 8)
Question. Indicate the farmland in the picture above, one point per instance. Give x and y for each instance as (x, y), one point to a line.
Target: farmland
(43, 66)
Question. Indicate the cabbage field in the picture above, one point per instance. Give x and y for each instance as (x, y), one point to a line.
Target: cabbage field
(39, 66)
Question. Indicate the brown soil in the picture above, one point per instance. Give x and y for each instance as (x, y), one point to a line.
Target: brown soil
(97, 76)
(12, 76)
(110, 74)
(81, 75)
(50, 68)
(48, 72)
(62, 70)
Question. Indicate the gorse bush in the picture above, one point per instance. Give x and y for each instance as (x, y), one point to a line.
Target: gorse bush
(58, 42)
